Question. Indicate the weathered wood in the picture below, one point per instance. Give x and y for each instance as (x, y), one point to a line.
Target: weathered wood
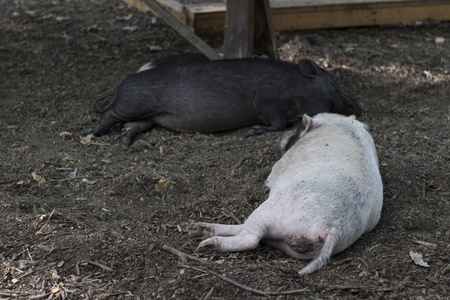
(182, 29)
(172, 6)
(360, 14)
(239, 28)
(301, 14)
(249, 29)
(264, 35)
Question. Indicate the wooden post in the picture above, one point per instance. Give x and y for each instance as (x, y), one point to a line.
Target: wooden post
(239, 28)
(248, 23)
(264, 36)
(182, 30)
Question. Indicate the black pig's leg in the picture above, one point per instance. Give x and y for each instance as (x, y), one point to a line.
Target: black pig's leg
(271, 114)
(100, 129)
(272, 120)
(131, 129)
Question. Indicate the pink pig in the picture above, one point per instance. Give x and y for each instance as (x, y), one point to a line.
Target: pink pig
(325, 192)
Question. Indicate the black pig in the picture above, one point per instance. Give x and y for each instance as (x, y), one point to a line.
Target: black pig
(173, 61)
(222, 95)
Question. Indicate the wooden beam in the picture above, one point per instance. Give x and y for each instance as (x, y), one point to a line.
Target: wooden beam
(172, 6)
(206, 18)
(361, 14)
(182, 29)
(308, 14)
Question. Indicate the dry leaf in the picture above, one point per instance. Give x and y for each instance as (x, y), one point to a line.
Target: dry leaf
(37, 177)
(55, 289)
(162, 185)
(439, 40)
(54, 275)
(18, 184)
(418, 260)
(66, 135)
(87, 140)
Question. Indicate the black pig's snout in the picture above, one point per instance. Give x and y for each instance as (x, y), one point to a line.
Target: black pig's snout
(352, 107)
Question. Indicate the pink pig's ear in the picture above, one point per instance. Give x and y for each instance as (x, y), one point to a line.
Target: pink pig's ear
(308, 124)
(292, 136)
(288, 139)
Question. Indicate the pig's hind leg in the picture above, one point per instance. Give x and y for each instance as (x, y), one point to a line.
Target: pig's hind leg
(204, 229)
(227, 238)
(239, 242)
(272, 118)
(131, 129)
(101, 129)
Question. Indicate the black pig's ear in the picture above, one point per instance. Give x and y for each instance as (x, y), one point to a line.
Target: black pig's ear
(308, 68)
(292, 136)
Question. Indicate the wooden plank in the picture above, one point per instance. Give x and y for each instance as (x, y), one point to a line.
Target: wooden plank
(309, 14)
(239, 28)
(296, 3)
(182, 29)
(172, 6)
(207, 19)
(361, 14)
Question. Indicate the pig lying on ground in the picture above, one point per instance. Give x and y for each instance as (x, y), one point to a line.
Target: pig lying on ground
(222, 95)
(325, 192)
(173, 61)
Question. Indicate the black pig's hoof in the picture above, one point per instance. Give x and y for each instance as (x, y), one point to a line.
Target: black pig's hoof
(127, 138)
(90, 130)
(256, 130)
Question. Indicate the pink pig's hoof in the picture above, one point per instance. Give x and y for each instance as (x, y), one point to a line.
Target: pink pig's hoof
(195, 230)
(208, 245)
(199, 229)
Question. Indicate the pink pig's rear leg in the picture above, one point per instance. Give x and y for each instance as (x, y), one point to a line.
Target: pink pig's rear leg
(212, 229)
(227, 238)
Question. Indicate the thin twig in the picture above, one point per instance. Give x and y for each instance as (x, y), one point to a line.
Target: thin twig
(39, 296)
(77, 269)
(106, 268)
(228, 213)
(25, 274)
(425, 243)
(12, 295)
(246, 288)
(356, 287)
(343, 287)
(105, 296)
(184, 256)
(48, 220)
(363, 261)
(209, 295)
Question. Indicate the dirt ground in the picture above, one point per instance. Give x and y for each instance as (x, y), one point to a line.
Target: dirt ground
(88, 219)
